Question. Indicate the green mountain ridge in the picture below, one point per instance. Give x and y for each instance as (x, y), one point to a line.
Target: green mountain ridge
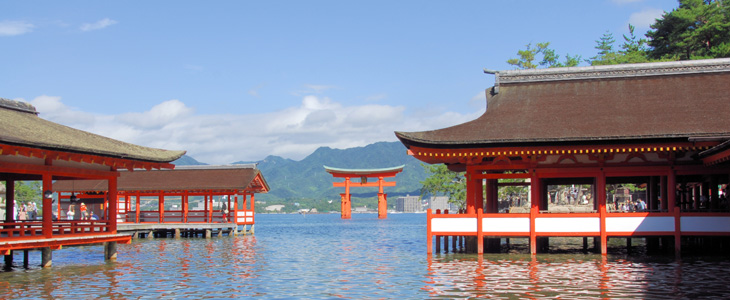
(307, 183)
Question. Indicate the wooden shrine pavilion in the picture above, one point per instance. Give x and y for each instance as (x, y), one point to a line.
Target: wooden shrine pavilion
(363, 175)
(639, 150)
(188, 198)
(34, 149)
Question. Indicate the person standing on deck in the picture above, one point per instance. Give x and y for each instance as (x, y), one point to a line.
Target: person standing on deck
(71, 212)
(82, 210)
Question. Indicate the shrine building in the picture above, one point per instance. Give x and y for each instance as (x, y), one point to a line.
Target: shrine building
(620, 151)
(34, 149)
(186, 201)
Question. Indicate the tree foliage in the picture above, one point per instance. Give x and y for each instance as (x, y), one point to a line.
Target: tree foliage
(28, 191)
(696, 29)
(442, 181)
(633, 50)
(550, 59)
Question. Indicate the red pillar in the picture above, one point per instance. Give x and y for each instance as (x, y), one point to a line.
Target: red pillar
(112, 206)
(47, 209)
(429, 239)
(382, 200)
(161, 207)
(138, 208)
(235, 209)
(601, 197)
(470, 192)
(534, 202)
(10, 201)
(346, 206)
(478, 194)
(671, 186)
(253, 202)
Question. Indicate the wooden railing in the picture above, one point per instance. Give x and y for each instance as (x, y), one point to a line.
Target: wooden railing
(34, 229)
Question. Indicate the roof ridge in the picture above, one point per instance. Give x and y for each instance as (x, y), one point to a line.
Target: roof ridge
(613, 71)
(18, 106)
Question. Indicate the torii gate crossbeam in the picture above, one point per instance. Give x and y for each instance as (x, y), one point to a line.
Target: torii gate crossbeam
(364, 174)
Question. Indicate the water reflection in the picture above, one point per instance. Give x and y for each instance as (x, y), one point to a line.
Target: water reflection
(575, 276)
(325, 257)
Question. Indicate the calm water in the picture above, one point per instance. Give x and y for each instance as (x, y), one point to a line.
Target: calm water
(321, 256)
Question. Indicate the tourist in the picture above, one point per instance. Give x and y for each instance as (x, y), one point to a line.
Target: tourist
(642, 205)
(71, 212)
(224, 209)
(82, 209)
(33, 213)
(23, 214)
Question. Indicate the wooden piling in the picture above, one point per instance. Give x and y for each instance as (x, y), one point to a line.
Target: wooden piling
(46, 257)
(9, 260)
(110, 250)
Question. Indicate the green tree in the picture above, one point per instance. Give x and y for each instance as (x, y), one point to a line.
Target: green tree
(549, 58)
(442, 181)
(633, 50)
(696, 29)
(28, 191)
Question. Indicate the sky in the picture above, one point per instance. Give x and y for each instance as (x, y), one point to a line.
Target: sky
(235, 81)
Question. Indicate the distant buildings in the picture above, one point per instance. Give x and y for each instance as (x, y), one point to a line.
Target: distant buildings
(440, 202)
(277, 207)
(408, 204)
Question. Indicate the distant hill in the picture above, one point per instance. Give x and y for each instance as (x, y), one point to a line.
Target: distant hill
(306, 181)
(187, 161)
(307, 178)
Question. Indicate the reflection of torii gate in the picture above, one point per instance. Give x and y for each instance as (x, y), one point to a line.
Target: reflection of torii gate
(363, 174)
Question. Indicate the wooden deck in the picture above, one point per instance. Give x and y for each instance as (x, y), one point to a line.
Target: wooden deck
(207, 230)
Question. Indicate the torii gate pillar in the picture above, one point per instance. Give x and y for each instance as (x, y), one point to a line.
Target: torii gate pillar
(364, 174)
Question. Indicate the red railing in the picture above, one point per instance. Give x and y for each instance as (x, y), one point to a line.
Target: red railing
(34, 229)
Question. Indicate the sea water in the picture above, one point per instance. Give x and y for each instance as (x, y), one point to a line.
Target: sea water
(321, 256)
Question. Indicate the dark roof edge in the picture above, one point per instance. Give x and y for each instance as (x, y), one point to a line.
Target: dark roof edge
(18, 106)
(409, 140)
(615, 71)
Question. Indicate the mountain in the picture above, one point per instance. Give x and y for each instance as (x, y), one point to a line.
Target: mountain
(306, 181)
(186, 161)
(307, 178)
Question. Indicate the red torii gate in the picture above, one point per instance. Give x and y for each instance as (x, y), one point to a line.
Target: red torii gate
(363, 174)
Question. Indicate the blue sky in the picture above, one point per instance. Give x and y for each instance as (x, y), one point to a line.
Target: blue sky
(240, 80)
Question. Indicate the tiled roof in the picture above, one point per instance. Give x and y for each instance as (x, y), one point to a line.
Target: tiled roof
(198, 178)
(21, 126)
(676, 100)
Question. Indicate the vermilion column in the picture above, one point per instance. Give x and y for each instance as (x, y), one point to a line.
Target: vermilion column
(47, 209)
(346, 207)
(111, 207)
(534, 202)
(601, 197)
(470, 193)
(382, 201)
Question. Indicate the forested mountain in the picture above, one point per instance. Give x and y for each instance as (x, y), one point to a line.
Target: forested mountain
(307, 183)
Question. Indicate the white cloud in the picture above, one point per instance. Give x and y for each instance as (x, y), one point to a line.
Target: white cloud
(643, 19)
(10, 28)
(101, 24)
(293, 133)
